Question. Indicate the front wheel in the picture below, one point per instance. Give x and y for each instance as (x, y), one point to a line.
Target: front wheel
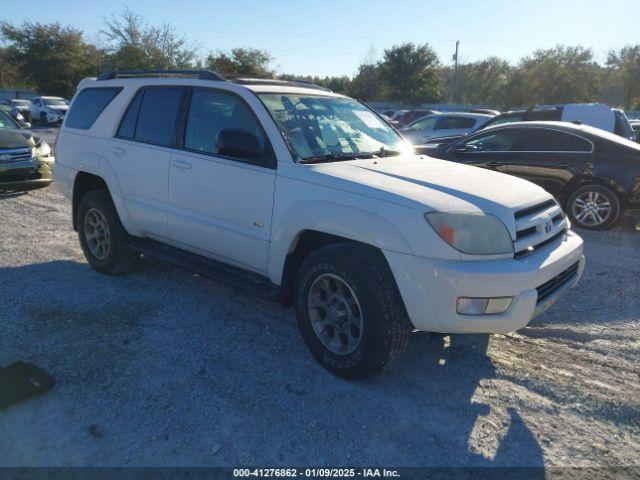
(593, 207)
(43, 119)
(104, 241)
(349, 310)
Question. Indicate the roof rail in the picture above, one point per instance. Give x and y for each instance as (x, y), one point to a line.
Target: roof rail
(270, 81)
(200, 74)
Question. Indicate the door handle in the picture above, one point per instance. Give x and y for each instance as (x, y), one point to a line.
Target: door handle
(181, 165)
(118, 151)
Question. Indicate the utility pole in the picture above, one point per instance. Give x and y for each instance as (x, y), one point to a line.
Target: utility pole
(455, 74)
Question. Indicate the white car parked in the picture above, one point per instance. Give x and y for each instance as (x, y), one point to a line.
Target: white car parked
(48, 110)
(443, 125)
(308, 197)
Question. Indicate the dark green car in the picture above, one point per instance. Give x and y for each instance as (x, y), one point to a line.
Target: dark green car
(25, 160)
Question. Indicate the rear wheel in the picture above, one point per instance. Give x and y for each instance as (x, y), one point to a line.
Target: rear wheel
(349, 310)
(593, 207)
(104, 241)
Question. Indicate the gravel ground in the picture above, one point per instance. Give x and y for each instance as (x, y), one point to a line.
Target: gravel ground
(161, 367)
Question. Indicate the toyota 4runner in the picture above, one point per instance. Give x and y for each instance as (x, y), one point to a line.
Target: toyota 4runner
(311, 198)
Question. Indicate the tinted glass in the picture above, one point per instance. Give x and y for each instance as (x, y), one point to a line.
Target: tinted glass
(451, 123)
(500, 141)
(541, 140)
(128, 124)
(55, 102)
(88, 106)
(424, 124)
(158, 115)
(622, 125)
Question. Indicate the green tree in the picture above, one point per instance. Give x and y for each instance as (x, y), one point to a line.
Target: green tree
(248, 62)
(136, 45)
(485, 82)
(558, 75)
(625, 70)
(365, 85)
(52, 57)
(409, 74)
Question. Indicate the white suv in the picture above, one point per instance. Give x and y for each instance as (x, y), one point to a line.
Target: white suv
(308, 197)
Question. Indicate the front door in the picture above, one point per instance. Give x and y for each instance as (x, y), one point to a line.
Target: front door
(222, 195)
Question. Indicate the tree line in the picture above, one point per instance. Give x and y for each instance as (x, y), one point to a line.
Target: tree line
(52, 58)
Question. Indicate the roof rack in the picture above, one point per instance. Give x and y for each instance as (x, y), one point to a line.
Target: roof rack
(200, 74)
(270, 81)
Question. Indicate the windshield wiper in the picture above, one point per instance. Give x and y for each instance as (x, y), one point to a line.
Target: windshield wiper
(335, 157)
(386, 152)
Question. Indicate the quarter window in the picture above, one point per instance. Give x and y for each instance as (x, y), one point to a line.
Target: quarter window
(88, 106)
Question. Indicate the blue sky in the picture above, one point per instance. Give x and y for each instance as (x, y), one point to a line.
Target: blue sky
(332, 37)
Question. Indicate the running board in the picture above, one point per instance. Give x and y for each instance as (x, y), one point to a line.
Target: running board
(251, 282)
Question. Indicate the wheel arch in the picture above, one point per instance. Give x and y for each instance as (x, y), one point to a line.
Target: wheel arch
(298, 237)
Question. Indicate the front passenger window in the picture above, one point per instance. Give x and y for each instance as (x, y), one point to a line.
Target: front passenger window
(500, 141)
(222, 124)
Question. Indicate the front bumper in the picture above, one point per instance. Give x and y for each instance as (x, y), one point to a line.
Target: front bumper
(26, 175)
(430, 287)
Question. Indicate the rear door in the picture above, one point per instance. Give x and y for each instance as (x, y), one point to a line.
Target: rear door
(140, 155)
(549, 157)
(222, 201)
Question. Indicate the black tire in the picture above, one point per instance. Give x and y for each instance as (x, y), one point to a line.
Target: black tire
(43, 119)
(386, 326)
(588, 222)
(119, 257)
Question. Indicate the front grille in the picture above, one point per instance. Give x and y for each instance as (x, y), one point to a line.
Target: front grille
(548, 288)
(15, 155)
(538, 226)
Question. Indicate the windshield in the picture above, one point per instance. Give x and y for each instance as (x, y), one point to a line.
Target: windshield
(332, 127)
(6, 122)
(55, 102)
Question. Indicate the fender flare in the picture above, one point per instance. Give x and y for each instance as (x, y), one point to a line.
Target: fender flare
(332, 218)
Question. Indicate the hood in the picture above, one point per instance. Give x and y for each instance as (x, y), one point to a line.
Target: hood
(14, 138)
(430, 184)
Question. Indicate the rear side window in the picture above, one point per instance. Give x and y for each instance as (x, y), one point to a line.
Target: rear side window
(541, 140)
(452, 123)
(152, 116)
(88, 106)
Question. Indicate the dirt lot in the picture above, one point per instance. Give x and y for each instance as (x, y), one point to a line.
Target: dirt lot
(161, 367)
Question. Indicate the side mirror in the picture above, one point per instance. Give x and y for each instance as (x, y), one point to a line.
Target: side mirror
(460, 148)
(236, 142)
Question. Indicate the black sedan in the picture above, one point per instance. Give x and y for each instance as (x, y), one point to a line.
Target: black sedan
(25, 160)
(593, 173)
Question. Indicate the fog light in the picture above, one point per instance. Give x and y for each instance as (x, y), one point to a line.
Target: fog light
(482, 306)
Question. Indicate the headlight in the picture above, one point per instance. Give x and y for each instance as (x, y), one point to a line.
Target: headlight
(42, 150)
(475, 234)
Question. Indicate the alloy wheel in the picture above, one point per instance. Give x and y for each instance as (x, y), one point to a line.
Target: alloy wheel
(591, 208)
(335, 313)
(96, 233)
